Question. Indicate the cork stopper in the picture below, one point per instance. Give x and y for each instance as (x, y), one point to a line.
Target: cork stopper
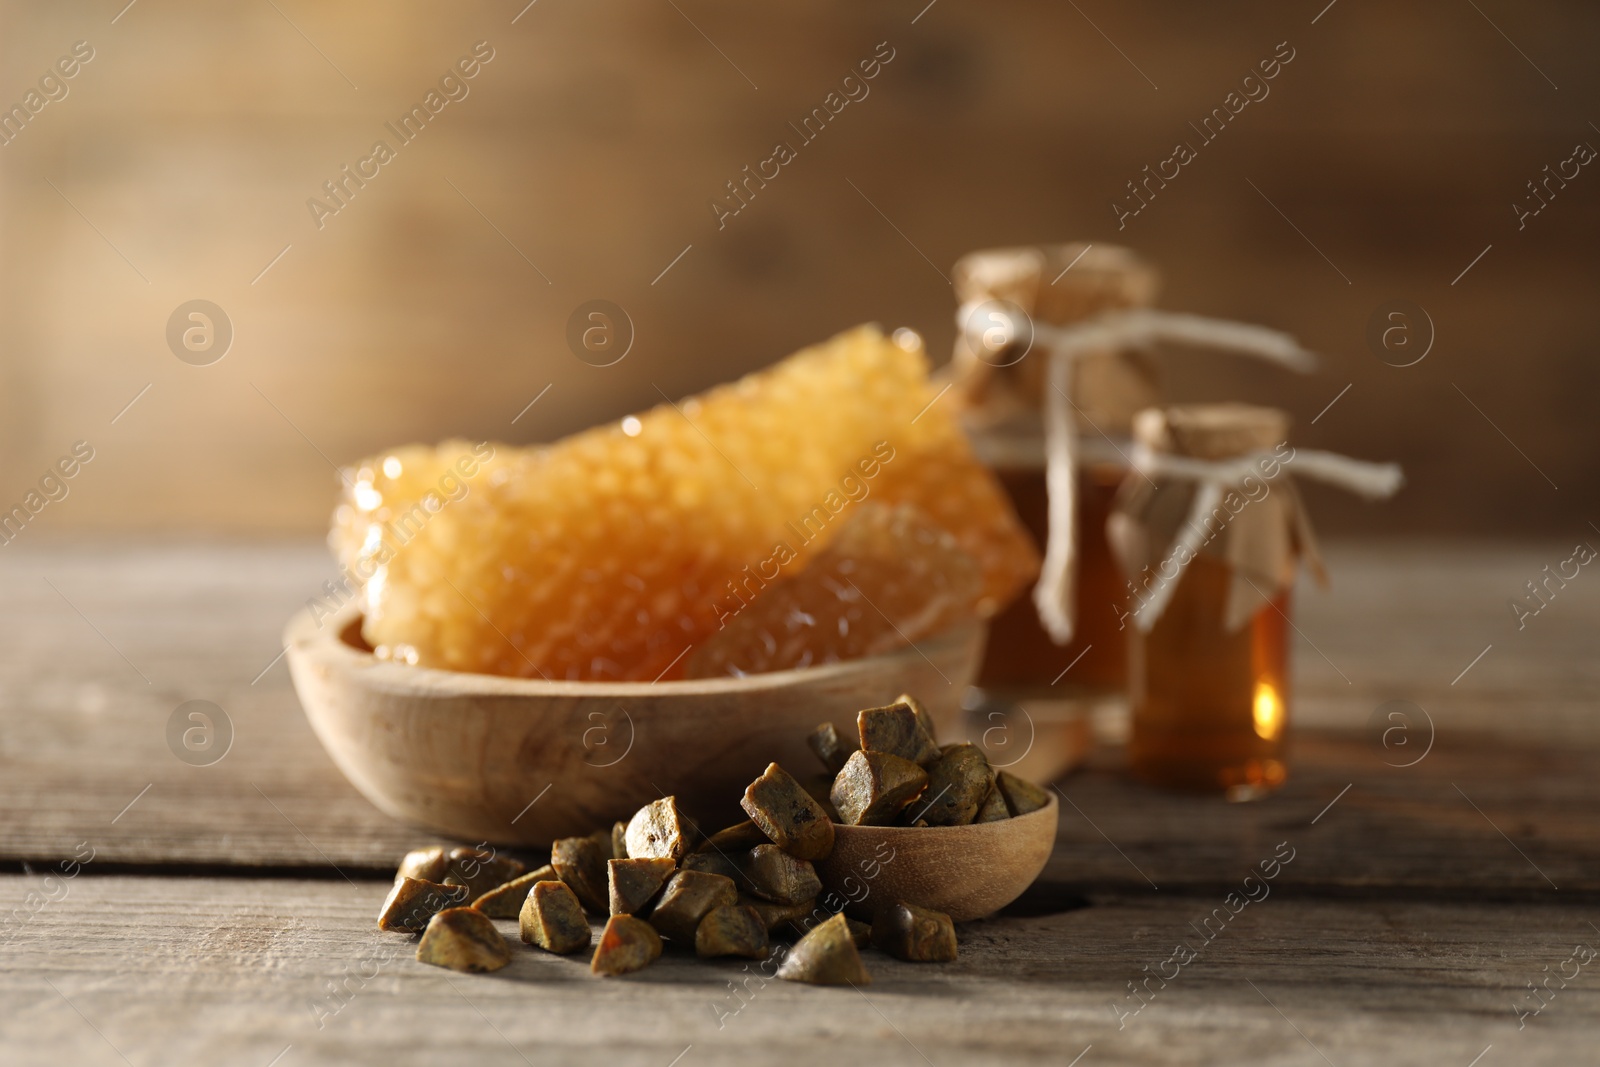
(1096, 278)
(1211, 431)
(1055, 285)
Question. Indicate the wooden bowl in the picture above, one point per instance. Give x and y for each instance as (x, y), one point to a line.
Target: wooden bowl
(967, 872)
(525, 761)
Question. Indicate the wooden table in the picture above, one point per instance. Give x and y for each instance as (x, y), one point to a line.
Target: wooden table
(227, 914)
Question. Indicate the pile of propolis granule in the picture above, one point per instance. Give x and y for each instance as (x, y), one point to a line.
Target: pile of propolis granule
(742, 891)
(825, 508)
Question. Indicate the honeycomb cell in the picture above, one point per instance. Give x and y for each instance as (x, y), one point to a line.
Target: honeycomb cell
(890, 577)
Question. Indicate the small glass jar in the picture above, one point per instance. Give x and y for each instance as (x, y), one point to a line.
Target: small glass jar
(1208, 678)
(1035, 703)
(1021, 658)
(1004, 388)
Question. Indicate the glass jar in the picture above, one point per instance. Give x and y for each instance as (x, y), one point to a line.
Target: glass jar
(1021, 658)
(1003, 382)
(1035, 704)
(1208, 602)
(1210, 707)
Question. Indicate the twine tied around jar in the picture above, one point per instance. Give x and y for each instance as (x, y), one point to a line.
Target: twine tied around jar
(1223, 448)
(1121, 329)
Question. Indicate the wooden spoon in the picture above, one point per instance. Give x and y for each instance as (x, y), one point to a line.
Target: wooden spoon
(967, 872)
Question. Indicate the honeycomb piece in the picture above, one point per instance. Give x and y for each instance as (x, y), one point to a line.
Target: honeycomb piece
(961, 496)
(610, 553)
(387, 497)
(889, 577)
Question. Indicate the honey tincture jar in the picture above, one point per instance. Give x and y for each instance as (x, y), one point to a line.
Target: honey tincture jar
(1002, 376)
(1209, 530)
(1052, 362)
(1038, 694)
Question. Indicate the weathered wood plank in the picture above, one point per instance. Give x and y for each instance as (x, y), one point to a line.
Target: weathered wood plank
(1414, 829)
(236, 970)
(100, 647)
(82, 734)
(1396, 140)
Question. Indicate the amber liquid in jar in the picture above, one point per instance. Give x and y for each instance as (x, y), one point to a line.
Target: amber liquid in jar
(1210, 707)
(1021, 658)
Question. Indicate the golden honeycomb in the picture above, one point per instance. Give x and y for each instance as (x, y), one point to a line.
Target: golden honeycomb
(889, 577)
(611, 553)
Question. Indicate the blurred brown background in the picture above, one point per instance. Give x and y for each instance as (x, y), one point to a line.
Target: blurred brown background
(180, 161)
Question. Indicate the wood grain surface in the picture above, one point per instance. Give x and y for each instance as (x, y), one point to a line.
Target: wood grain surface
(82, 733)
(1384, 162)
(235, 971)
(1419, 902)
